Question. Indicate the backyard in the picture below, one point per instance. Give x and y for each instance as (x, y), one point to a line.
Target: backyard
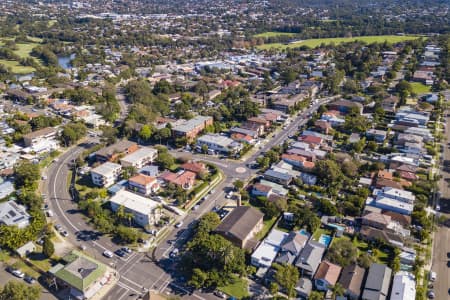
(237, 289)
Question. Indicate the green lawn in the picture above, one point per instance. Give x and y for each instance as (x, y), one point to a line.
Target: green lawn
(420, 88)
(313, 43)
(238, 289)
(16, 67)
(363, 247)
(268, 224)
(269, 34)
(316, 235)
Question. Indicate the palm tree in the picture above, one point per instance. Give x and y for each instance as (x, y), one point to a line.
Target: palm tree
(338, 290)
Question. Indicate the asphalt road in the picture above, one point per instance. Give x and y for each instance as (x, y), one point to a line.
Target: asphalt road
(441, 260)
(138, 271)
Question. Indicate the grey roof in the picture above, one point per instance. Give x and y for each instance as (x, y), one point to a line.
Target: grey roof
(352, 279)
(192, 123)
(294, 243)
(12, 213)
(285, 257)
(240, 222)
(377, 283)
(279, 175)
(311, 256)
(119, 147)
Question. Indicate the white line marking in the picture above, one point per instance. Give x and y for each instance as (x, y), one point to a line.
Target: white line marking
(131, 281)
(124, 294)
(122, 285)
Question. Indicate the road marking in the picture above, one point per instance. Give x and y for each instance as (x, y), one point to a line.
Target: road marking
(124, 294)
(132, 282)
(123, 285)
(186, 291)
(130, 267)
(157, 280)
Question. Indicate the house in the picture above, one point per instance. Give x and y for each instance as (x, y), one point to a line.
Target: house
(397, 194)
(13, 214)
(382, 183)
(378, 135)
(266, 252)
(403, 286)
(351, 280)
(150, 171)
(377, 282)
(198, 168)
(6, 188)
(373, 234)
(304, 288)
(326, 276)
(114, 151)
(38, 136)
(241, 225)
(143, 184)
(298, 161)
(184, 179)
(139, 158)
(252, 133)
(218, 143)
(291, 247)
(145, 211)
(26, 249)
(323, 126)
(106, 174)
(282, 178)
(376, 220)
(389, 104)
(310, 257)
(259, 189)
(276, 188)
(403, 220)
(191, 128)
(83, 275)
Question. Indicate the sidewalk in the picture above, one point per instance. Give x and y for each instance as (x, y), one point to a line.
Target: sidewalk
(108, 286)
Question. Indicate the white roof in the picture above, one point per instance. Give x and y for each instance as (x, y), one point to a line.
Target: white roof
(397, 193)
(276, 237)
(265, 254)
(403, 286)
(394, 204)
(216, 139)
(134, 202)
(106, 168)
(139, 154)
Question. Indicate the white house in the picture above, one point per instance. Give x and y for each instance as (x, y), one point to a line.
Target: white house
(403, 286)
(106, 174)
(143, 184)
(397, 194)
(219, 143)
(139, 158)
(267, 251)
(145, 211)
(13, 214)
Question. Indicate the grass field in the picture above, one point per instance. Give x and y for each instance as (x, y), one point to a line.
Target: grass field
(237, 289)
(273, 34)
(16, 67)
(420, 88)
(23, 50)
(313, 43)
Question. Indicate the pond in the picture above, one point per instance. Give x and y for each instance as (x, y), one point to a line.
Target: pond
(64, 61)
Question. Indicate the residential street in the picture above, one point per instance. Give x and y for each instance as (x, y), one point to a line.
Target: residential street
(441, 258)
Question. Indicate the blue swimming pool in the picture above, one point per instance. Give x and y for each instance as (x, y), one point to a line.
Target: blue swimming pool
(325, 239)
(304, 232)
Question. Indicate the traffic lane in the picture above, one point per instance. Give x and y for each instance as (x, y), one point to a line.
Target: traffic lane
(441, 263)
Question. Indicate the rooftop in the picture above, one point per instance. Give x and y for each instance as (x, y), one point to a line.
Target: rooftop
(140, 154)
(241, 221)
(106, 168)
(134, 202)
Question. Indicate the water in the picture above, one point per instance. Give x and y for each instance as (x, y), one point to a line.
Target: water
(64, 61)
(304, 232)
(325, 240)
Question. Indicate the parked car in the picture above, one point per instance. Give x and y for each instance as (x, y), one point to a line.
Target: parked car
(432, 276)
(120, 253)
(49, 213)
(174, 252)
(431, 295)
(64, 233)
(18, 273)
(195, 207)
(179, 224)
(127, 250)
(108, 254)
(58, 227)
(220, 294)
(29, 279)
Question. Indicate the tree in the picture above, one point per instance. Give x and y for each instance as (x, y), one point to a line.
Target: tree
(315, 295)
(338, 290)
(238, 184)
(165, 160)
(127, 234)
(274, 288)
(204, 148)
(27, 175)
(365, 260)
(72, 132)
(48, 249)
(16, 290)
(145, 133)
(287, 276)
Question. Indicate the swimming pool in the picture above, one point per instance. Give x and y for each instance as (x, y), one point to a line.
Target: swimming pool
(304, 232)
(325, 239)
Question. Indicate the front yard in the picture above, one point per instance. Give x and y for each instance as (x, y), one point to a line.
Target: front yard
(237, 289)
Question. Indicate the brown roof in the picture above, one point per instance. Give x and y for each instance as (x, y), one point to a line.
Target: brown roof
(403, 220)
(381, 182)
(377, 234)
(407, 168)
(41, 132)
(195, 167)
(352, 279)
(328, 271)
(376, 217)
(118, 147)
(385, 174)
(262, 187)
(142, 179)
(240, 222)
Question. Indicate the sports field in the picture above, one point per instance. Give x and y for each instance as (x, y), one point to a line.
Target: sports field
(273, 34)
(313, 43)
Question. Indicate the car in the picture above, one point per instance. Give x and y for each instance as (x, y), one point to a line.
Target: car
(174, 252)
(49, 213)
(43, 177)
(64, 233)
(212, 191)
(18, 273)
(120, 253)
(29, 279)
(58, 227)
(432, 276)
(108, 254)
(431, 295)
(220, 294)
(179, 224)
(438, 207)
(195, 207)
(126, 250)
(40, 241)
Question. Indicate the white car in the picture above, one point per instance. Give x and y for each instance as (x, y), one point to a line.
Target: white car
(179, 224)
(108, 254)
(64, 233)
(432, 276)
(438, 207)
(18, 273)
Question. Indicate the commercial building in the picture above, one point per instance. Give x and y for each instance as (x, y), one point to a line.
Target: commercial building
(83, 275)
(106, 174)
(139, 158)
(145, 211)
(37, 136)
(219, 143)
